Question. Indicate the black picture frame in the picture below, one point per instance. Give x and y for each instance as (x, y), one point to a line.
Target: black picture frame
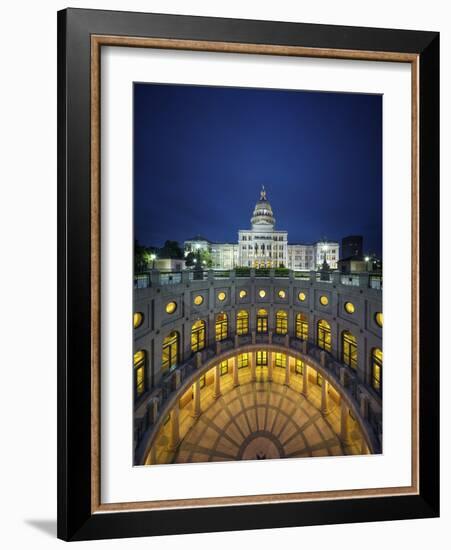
(75, 518)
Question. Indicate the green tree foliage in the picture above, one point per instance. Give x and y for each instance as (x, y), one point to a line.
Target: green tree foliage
(172, 250)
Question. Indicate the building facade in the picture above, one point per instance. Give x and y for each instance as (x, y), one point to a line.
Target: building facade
(195, 339)
(264, 246)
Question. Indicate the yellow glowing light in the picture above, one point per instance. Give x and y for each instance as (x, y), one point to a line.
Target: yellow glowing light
(379, 318)
(138, 318)
(302, 296)
(262, 293)
(243, 293)
(139, 356)
(198, 300)
(324, 300)
(282, 294)
(222, 296)
(349, 307)
(171, 307)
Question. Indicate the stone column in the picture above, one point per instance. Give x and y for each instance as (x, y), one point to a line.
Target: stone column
(363, 447)
(287, 372)
(305, 382)
(153, 453)
(196, 399)
(344, 423)
(217, 383)
(174, 436)
(364, 406)
(270, 365)
(236, 380)
(324, 398)
(253, 366)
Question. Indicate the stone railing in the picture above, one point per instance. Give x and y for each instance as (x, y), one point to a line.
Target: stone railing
(161, 278)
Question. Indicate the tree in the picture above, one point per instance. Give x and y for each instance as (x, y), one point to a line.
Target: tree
(171, 250)
(142, 255)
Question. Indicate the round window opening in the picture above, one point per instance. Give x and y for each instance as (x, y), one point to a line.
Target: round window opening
(198, 300)
(138, 319)
(282, 294)
(324, 300)
(349, 307)
(243, 293)
(262, 293)
(171, 307)
(302, 296)
(221, 296)
(379, 317)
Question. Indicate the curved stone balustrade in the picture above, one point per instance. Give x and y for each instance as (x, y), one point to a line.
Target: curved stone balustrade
(353, 395)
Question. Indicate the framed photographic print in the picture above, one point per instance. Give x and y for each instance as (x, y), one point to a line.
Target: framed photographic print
(248, 274)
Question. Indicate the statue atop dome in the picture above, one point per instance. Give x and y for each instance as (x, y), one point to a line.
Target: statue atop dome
(263, 217)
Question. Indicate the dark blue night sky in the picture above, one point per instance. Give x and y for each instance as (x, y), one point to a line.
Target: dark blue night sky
(201, 155)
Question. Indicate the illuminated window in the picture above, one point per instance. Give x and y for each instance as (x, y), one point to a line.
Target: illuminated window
(376, 369)
(302, 296)
(242, 322)
(243, 360)
(171, 307)
(222, 327)
(221, 296)
(138, 319)
(324, 339)
(349, 307)
(262, 293)
(198, 336)
(202, 381)
(324, 300)
(224, 367)
(282, 294)
(349, 349)
(281, 360)
(262, 321)
(139, 364)
(319, 379)
(299, 367)
(301, 326)
(243, 294)
(198, 300)
(281, 322)
(379, 318)
(170, 355)
(262, 358)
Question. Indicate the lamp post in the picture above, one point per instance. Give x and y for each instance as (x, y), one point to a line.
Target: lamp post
(152, 259)
(367, 259)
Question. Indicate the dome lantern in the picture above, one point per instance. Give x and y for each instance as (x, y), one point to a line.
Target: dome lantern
(263, 217)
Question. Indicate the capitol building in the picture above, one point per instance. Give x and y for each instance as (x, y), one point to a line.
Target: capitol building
(263, 246)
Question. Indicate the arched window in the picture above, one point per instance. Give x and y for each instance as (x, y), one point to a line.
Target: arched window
(243, 360)
(324, 339)
(222, 327)
(301, 326)
(349, 349)
(281, 322)
(242, 322)
(299, 367)
(198, 336)
(223, 367)
(262, 320)
(139, 368)
(170, 356)
(376, 369)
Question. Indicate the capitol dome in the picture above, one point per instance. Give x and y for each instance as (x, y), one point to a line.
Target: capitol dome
(263, 217)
